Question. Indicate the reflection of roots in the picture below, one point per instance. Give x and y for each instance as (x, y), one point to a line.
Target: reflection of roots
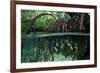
(35, 54)
(46, 50)
(75, 55)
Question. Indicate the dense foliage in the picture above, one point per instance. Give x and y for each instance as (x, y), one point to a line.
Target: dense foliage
(49, 21)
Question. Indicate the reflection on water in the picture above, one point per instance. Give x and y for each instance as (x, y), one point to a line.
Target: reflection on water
(55, 48)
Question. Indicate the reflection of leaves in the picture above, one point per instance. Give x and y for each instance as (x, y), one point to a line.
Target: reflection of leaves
(49, 49)
(59, 57)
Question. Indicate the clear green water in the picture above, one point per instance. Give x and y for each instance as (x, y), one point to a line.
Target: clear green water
(55, 48)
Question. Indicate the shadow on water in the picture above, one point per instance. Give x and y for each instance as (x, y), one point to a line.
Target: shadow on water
(55, 48)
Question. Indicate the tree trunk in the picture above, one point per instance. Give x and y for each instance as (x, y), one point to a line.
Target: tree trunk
(82, 28)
